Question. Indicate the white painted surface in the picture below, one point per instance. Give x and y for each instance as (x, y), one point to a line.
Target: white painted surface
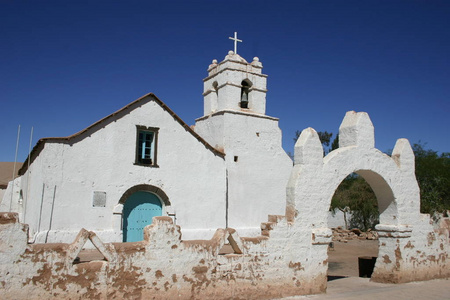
(336, 219)
(257, 180)
(251, 181)
(203, 188)
(291, 259)
(228, 75)
(257, 166)
(66, 175)
(406, 237)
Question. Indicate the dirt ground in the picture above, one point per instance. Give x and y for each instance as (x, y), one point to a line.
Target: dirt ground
(343, 258)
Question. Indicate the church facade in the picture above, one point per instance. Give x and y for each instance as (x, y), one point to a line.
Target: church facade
(229, 170)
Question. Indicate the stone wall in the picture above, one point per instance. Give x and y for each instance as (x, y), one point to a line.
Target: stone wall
(343, 235)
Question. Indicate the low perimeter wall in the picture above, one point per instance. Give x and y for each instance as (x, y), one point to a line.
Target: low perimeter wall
(163, 266)
(160, 267)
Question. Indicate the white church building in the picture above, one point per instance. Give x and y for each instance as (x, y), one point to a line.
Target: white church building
(229, 170)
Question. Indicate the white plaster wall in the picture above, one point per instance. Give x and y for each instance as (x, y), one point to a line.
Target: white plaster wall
(229, 82)
(290, 259)
(11, 200)
(257, 180)
(316, 178)
(2, 193)
(410, 249)
(192, 176)
(229, 75)
(336, 219)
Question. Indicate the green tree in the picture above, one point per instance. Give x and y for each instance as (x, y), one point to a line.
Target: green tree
(354, 195)
(325, 137)
(335, 144)
(433, 177)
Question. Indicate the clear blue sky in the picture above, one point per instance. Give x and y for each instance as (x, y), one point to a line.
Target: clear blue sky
(66, 64)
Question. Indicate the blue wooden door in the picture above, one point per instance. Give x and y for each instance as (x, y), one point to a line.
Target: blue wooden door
(138, 211)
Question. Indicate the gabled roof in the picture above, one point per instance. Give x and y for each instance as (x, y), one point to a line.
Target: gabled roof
(120, 113)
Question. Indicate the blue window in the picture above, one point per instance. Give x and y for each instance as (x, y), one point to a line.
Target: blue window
(146, 146)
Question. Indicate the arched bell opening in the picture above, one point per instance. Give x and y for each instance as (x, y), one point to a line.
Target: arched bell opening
(245, 93)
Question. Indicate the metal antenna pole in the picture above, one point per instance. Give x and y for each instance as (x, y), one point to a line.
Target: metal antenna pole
(28, 176)
(14, 169)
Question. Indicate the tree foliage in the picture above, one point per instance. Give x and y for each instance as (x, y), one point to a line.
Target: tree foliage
(433, 176)
(325, 137)
(355, 196)
(335, 143)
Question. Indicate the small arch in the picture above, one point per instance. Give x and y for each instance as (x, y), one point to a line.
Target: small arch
(383, 192)
(214, 96)
(245, 91)
(215, 86)
(385, 197)
(145, 188)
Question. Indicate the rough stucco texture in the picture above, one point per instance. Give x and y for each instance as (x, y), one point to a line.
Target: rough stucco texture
(289, 258)
(160, 267)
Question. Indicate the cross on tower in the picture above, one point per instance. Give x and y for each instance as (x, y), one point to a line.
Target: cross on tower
(235, 39)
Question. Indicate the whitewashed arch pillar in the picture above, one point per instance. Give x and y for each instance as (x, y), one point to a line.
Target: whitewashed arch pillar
(315, 178)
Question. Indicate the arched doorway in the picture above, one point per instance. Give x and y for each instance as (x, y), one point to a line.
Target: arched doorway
(352, 219)
(138, 211)
(314, 180)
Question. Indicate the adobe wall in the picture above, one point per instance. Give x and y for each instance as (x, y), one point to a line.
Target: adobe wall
(281, 263)
(410, 247)
(289, 258)
(253, 157)
(257, 166)
(65, 175)
(160, 267)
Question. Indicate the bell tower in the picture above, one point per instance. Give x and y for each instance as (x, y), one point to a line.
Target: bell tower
(234, 121)
(234, 84)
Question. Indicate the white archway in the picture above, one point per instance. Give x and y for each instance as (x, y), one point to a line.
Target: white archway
(315, 178)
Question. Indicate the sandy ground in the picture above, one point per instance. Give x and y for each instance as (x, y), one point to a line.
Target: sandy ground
(343, 258)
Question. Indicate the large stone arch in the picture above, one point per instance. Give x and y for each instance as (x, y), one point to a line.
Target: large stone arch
(315, 178)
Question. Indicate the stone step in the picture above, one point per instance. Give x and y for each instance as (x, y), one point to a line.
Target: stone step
(265, 233)
(267, 225)
(276, 218)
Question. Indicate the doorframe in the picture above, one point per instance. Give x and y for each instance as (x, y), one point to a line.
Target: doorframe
(118, 209)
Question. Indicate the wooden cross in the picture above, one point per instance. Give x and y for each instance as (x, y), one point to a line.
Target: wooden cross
(235, 39)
